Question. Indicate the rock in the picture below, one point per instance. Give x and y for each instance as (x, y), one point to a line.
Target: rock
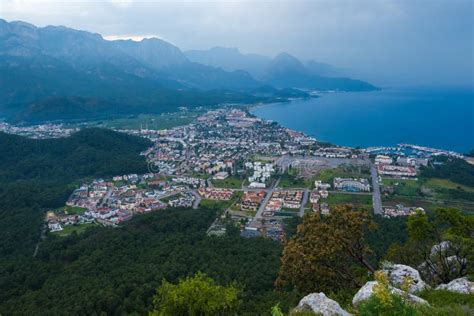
(321, 305)
(461, 285)
(442, 246)
(397, 274)
(367, 291)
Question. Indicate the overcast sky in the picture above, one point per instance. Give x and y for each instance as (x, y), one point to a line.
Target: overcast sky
(389, 42)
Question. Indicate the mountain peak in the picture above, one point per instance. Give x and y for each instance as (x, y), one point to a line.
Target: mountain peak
(285, 63)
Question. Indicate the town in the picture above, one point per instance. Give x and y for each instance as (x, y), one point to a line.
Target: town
(257, 172)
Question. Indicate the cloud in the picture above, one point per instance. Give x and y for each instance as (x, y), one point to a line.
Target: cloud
(136, 38)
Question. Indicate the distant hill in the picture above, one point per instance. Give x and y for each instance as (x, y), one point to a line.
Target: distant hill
(230, 59)
(283, 71)
(286, 71)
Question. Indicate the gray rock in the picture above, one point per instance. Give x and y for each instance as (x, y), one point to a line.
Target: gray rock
(367, 291)
(461, 285)
(397, 274)
(321, 305)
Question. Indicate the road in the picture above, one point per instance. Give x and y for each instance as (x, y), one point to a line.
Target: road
(376, 199)
(303, 202)
(197, 199)
(266, 199)
(107, 196)
(42, 237)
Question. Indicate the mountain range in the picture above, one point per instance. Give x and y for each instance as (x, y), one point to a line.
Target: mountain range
(57, 73)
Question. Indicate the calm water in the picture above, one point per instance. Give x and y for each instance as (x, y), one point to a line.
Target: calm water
(440, 118)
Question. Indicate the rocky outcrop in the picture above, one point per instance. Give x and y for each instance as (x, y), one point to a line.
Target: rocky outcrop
(461, 285)
(320, 304)
(367, 291)
(397, 274)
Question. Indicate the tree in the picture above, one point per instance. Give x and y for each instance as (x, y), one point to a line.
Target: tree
(442, 247)
(328, 252)
(195, 296)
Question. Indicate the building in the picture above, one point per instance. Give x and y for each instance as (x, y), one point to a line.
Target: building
(396, 171)
(382, 159)
(220, 175)
(319, 185)
(352, 184)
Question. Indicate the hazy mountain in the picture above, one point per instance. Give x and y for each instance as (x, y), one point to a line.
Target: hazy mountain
(86, 52)
(286, 71)
(44, 66)
(153, 52)
(230, 59)
(323, 69)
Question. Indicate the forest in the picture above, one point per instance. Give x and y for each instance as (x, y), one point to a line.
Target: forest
(40, 174)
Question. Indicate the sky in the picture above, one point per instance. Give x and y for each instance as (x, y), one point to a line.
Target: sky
(391, 43)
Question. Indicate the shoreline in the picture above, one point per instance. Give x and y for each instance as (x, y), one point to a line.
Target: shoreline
(255, 107)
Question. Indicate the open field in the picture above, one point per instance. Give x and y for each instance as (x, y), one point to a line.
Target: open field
(150, 121)
(78, 229)
(427, 203)
(362, 200)
(231, 182)
(291, 180)
(72, 210)
(436, 183)
(441, 189)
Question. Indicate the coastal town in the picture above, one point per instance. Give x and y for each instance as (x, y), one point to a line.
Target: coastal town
(256, 172)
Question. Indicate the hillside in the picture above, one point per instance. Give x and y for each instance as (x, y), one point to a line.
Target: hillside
(38, 174)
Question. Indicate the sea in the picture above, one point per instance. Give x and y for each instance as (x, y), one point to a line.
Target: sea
(438, 117)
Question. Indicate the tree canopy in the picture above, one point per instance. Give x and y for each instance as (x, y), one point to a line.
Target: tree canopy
(327, 252)
(195, 296)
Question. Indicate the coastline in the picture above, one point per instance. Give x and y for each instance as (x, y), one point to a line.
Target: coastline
(315, 119)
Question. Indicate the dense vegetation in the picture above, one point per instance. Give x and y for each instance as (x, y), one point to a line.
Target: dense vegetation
(454, 169)
(118, 270)
(39, 174)
(197, 295)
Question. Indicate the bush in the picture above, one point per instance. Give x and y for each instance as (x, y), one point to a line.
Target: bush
(374, 307)
(443, 298)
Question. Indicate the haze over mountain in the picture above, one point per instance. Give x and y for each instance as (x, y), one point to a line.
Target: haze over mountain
(44, 69)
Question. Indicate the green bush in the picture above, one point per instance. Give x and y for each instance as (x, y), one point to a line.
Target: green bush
(374, 307)
(442, 303)
(444, 298)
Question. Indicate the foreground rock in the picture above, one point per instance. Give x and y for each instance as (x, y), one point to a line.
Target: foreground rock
(367, 291)
(461, 285)
(397, 274)
(321, 305)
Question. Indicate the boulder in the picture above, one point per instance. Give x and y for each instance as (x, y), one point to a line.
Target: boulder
(367, 291)
(397, 274)
(320, 304)
(461, 285)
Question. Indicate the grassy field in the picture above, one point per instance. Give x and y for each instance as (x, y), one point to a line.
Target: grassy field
(435, 183)
(231, 182)
(78, 229)
(152, 121)
(427, 203)
(289, 180)
(403, 187)
(72, 210)
(362, 200)
(440, 189)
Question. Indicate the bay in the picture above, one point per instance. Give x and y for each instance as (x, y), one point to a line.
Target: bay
(437, 117)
